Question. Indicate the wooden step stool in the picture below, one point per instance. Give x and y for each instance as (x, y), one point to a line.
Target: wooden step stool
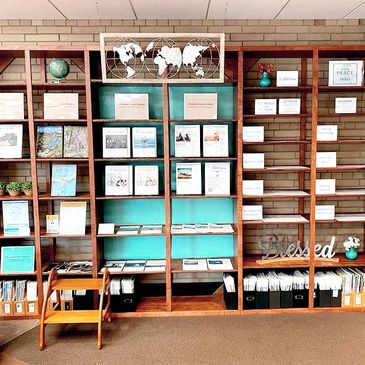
(75, 316)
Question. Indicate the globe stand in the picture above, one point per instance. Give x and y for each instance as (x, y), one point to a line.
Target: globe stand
(58, 81)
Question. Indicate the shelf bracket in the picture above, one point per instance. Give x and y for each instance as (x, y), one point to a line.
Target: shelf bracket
(79, 62)
(5, 63)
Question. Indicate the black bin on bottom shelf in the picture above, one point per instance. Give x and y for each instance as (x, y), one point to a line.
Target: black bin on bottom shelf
(231, 300)
(300, 298)
(249, 300)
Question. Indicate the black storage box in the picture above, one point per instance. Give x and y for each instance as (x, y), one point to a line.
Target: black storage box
(84, 302)
(336, 300)
(128, 302)
(274, 299)
(300, 298)
(316, 298)
(325, 298)
(262, 299)
(231, 300)
(249, 300)
(286, 299)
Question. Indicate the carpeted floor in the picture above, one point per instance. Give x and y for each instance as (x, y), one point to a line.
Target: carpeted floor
(277, 339)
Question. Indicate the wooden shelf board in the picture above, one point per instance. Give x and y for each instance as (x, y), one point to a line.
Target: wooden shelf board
(323, 88)
(60, 121)
(128, 159)
(198, 303)
(60, 85)
(63, 159)
(279, 169)
(127, 121)
(359, 262)
(344, 193)
(3, 237)
(203, 158)
(21, 160)
(129, 235)
(278, 142)
(279, 219)
(339, 115)
(205, 234)
(56, 235)
(67, 274)
(342, 168)
(202, 120)
(174, 196)
(18, 274)
(274, 116)
(79, 196)
(273, 89)
(20, 197)
(344, 141)
(123, 197)
(11, 121)
(345, 218)
(177, 267)
(13, 84)
(19, 317)
(81, 284)
(147, 307)
(277, 194)
(249, 262)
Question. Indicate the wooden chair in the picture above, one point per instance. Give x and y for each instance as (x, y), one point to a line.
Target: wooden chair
(55, 315)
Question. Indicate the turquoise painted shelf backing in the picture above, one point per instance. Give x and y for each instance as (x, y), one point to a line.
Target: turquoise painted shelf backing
(106, 98)
(226, 99)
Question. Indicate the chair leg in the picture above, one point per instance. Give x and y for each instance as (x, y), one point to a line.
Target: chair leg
(42, 340)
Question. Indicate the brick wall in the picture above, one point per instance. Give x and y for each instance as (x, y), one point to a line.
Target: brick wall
(238, 32)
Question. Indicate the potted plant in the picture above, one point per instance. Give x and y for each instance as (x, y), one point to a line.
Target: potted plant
(2, 188)
(264, 70)
(27, 188)
(14, 188)
(351, 244)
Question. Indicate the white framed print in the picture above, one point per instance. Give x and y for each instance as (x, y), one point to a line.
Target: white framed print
(346, 73)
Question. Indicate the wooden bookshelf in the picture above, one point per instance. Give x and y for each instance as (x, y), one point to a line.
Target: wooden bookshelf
(302, 194)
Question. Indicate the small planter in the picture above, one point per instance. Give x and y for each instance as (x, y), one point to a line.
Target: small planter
(351, 254)
(28, 192)
(2, 192)
(14, 193)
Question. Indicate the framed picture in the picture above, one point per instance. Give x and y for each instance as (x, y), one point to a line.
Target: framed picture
(346, 73)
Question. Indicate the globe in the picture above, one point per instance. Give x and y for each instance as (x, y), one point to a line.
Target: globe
(58, 68)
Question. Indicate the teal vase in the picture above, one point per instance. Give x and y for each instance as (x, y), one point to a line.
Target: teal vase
(265, 80)
(351, 254)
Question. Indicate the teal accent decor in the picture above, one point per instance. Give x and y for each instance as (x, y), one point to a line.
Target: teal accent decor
(58, 68)
(15, 259)
(265, 80)
(351, 254)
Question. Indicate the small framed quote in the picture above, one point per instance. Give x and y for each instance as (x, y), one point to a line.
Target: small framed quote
(346, 73)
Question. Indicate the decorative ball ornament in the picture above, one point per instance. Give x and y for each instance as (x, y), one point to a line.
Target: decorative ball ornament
(59, 69)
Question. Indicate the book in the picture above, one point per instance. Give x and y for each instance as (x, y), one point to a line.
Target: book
(63, 181)
(219, 264)
(72, 218)
(144, 142)
(75, 143)
(155, 265)
(217, 178)
(134, 265)
(61, 106)
(128, 230)
(15, 259)
(49, 141)
(116, 142)
(215, 140)
(187, 141)
(188, 178)
(200, 106)
(16, 218)
(11, 140)
(52, 223)
(119, 180)
(11, 106)
(195, 264)
(131, 106)
(106, 228)
(146, 180)
(113, 266)
(151, 229)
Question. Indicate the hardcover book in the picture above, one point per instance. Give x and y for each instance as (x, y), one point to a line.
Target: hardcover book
(155, 265)
(11, 106)
(75, 142)
(200, 106)
(16, 218)
(61, 106)
(119, 180)
(219, 264)
(72, 218)
(144, 142)
(187, 141)
(195, 265)
(217, 178)
(131, 106)
(134, 265)
(146, 180)
(49, 141)
(63, 180)
(126, 230)
(52, 223)
(116, 142)
(215, 140)
(17, 259)
(11, 140)
(188, 178)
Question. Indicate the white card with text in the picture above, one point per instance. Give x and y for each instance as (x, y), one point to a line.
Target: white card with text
(253, 160)
(325, 186)
(327, 133)
(325, 212)
(253, 134)
(265, 106)
(287, 78)
(289, 106)
(253, 187)
(345, 105)
(326, 159)
(252, 212)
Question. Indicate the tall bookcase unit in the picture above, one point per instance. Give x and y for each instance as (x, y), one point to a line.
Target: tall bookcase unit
(290, 173)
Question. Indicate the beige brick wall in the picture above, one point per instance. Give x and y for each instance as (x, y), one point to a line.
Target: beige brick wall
(238, 32)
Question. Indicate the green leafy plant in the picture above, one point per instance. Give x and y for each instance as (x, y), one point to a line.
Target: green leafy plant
(27, 186)
(2, 186)
(14, 186)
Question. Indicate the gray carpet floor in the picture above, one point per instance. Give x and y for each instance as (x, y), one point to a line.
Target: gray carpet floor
(319, 339)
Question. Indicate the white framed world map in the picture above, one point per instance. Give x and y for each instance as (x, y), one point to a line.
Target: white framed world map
(162, 57)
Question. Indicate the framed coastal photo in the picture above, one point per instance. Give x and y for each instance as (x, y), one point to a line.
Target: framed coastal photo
(346, 73)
